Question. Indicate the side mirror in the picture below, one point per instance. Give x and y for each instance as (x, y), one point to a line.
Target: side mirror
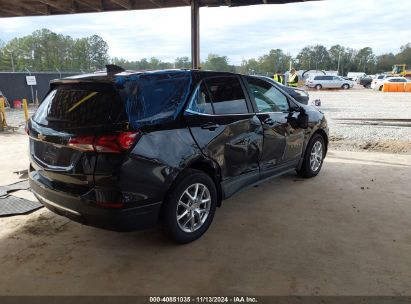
(303, 119)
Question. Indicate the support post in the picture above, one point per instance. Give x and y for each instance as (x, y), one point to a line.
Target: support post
(26, 110)
(3, 123)
(195, 34)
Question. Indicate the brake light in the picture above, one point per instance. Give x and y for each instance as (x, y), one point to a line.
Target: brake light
(108, 143)
(83, 143)
(127, 139)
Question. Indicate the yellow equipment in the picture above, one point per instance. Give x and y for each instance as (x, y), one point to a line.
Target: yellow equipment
(400, 70)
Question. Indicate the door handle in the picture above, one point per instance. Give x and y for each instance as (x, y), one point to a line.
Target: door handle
(210, 126)
(269, 122)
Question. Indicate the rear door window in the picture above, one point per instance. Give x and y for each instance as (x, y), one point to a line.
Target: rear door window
(80, 106)
(201, 102)
(227, 95)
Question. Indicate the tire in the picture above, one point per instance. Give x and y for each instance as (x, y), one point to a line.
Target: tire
(185, 230)
(307, 169)
(345, 86)
(318, 87)
(380, 88)
(368, 86)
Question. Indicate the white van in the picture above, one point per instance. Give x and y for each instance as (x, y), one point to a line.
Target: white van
(354, 76)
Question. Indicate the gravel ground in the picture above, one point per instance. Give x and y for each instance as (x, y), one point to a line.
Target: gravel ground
(363, 119)
(15, 117)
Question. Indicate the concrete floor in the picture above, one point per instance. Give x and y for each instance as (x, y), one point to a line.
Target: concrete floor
(345, 232)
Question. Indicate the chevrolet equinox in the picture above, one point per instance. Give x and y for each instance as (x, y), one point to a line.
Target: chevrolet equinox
(124, 150)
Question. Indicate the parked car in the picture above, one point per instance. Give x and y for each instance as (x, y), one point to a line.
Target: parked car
(123, 151)
(354, 76)
(329, 82)
(298, 94)
(377, 80)
(380, 83)
(366, 81)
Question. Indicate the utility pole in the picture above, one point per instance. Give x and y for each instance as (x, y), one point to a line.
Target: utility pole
(31, 87)
(338, 66)
(12, 61)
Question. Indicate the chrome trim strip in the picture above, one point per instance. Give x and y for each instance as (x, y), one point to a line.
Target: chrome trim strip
(58, 206)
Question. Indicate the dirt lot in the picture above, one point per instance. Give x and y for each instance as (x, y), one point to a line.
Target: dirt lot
(363, 119)
(345, 232)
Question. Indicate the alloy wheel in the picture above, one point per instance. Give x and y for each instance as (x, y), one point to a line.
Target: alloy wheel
(316, 156)
(193, 207)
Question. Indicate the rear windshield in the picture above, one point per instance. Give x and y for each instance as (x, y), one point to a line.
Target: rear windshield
(80, 106)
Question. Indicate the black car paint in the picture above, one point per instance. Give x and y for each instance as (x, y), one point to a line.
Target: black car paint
(228, 147)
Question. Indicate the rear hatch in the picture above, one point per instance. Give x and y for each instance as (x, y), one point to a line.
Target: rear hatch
(73, 125)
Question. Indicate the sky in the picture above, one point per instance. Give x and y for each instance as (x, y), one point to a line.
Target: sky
(239, 33)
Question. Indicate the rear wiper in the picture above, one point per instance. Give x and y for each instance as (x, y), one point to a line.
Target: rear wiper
(56, 119)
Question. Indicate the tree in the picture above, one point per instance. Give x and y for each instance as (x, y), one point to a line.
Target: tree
(365, 60)
(217, 63)
(404, 56)
(182, 63)
(385, 62)
(250, 66)
(98, 49)
(44, 50)
(304, 58)
(336, 52)
(275, 60)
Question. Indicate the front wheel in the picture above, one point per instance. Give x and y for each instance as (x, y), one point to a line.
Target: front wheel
(346, 86)
(313, 158)
(318, 87)
(189, 208)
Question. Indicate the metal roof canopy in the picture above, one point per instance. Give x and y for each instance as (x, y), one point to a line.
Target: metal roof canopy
(19, 8)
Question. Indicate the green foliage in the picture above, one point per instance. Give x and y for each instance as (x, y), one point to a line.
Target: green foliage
(217, 63)
(182, 63)
(275, 60)
(44, 50)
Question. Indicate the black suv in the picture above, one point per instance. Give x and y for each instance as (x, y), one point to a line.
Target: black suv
(123, 150)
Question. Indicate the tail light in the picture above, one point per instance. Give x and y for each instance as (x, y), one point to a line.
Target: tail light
(108, 143)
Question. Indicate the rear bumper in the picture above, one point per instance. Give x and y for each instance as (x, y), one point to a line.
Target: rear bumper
(84, 212)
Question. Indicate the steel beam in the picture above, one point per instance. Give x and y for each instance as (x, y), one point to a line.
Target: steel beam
(195, 34)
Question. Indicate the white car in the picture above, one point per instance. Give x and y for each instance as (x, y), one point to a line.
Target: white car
(378, 79)
(379, 83)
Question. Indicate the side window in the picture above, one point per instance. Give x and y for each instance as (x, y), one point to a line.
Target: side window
(267, 97)
(201, 102)
(227, 95)
(328, 78)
